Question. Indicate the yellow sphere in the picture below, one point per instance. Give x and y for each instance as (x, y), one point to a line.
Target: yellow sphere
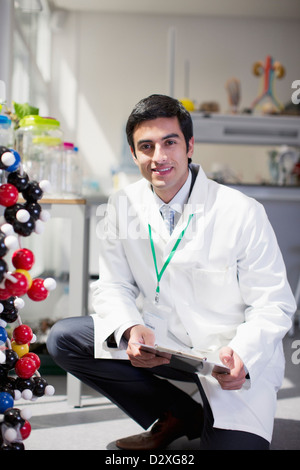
(20, 349)
(188, 104)
(26, 274)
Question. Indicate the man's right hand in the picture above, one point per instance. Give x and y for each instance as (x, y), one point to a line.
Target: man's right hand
(139, 358)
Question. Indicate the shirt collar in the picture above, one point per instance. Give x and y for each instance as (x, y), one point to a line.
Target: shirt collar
(180, 198)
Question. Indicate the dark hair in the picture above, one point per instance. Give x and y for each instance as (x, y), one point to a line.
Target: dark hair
(157, 106)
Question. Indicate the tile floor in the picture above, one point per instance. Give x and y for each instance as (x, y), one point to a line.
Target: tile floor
(98, 423)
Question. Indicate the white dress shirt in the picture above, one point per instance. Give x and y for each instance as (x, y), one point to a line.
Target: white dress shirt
(179, 200)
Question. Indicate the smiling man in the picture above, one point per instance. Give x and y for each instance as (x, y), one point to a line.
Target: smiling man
(160, 151)
(208, 270)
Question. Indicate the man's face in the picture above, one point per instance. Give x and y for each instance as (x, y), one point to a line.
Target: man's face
(161, 155)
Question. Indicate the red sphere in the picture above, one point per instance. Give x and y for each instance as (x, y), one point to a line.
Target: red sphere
(25, 367)
(35, 359)
(19, 288)
(8, 195)
(22, 334)
(25, 430)
(4, 294)
(37, 290)
(23, 259)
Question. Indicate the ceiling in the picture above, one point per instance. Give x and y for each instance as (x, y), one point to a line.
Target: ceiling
(288, 9)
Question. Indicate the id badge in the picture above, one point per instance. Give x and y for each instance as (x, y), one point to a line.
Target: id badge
(156, 318)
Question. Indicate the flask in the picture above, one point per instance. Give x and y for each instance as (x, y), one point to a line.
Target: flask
(39, 143)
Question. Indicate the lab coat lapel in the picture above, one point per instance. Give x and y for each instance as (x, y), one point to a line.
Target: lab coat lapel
(153, 217)
(194, 206)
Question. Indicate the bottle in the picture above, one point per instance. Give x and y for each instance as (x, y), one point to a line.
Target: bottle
(6, 133)
(71, 171)
(6, 139)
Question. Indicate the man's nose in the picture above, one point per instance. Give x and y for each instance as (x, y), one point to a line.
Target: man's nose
(159, 155)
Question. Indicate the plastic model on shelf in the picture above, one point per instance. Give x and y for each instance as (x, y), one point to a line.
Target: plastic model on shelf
(269, 70)
(19, 375)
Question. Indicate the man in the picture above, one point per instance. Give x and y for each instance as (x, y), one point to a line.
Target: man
(215, 283)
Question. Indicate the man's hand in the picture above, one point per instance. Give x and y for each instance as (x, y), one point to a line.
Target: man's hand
(139, 358)
(236, 378)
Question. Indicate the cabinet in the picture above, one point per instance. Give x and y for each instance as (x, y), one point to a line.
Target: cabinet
(246, 129)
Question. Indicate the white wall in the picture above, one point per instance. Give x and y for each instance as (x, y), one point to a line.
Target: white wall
(104, 63)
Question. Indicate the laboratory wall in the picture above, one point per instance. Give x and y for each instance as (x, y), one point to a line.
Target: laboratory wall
(102, 64)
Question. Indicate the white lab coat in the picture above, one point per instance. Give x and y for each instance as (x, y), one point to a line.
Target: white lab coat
(226, 285)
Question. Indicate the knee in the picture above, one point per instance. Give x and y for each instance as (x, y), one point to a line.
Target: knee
(56, 338)
(71, 337)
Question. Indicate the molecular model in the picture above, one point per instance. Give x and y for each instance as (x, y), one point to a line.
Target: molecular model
(19, 376)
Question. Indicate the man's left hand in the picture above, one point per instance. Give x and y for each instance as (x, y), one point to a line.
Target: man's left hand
(236, 378)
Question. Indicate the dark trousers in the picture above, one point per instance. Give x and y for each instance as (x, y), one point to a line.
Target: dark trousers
(143, 394)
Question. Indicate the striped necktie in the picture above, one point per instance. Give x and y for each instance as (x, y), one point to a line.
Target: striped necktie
(168, 215)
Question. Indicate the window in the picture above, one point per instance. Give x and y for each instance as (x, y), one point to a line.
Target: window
(32, 54)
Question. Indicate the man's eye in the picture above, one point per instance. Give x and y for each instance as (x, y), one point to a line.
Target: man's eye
(170, 142)
(145, 147)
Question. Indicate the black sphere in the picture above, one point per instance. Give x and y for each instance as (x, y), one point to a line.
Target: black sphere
(24, 228)
(11, 211)
(3, 374)
(18, 180)
(34, 209)
(33, 192)
(9, 390)
(8, 304)
(12, 417)
(24, 384)
(40, 385)
(3, 269)
(11, 359)
(10, 316)
(3, 247)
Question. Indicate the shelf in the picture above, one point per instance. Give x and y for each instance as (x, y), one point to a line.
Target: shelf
(49, 200)
(288, 194)
(246, 129)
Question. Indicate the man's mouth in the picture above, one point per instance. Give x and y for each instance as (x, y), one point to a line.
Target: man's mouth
(162, 171)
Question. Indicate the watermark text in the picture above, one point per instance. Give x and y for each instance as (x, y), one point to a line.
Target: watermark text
(296, 94)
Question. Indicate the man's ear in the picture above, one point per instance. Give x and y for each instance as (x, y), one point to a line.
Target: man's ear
(133, 155)
(191, 147)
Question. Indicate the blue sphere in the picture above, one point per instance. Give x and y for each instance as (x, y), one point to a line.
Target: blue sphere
(3, 335)
(15, 165)
(6, 401)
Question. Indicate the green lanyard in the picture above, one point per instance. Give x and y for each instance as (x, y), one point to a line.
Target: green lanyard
(159, 274)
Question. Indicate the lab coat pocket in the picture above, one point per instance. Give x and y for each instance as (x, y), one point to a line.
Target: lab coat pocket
(215, 289)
